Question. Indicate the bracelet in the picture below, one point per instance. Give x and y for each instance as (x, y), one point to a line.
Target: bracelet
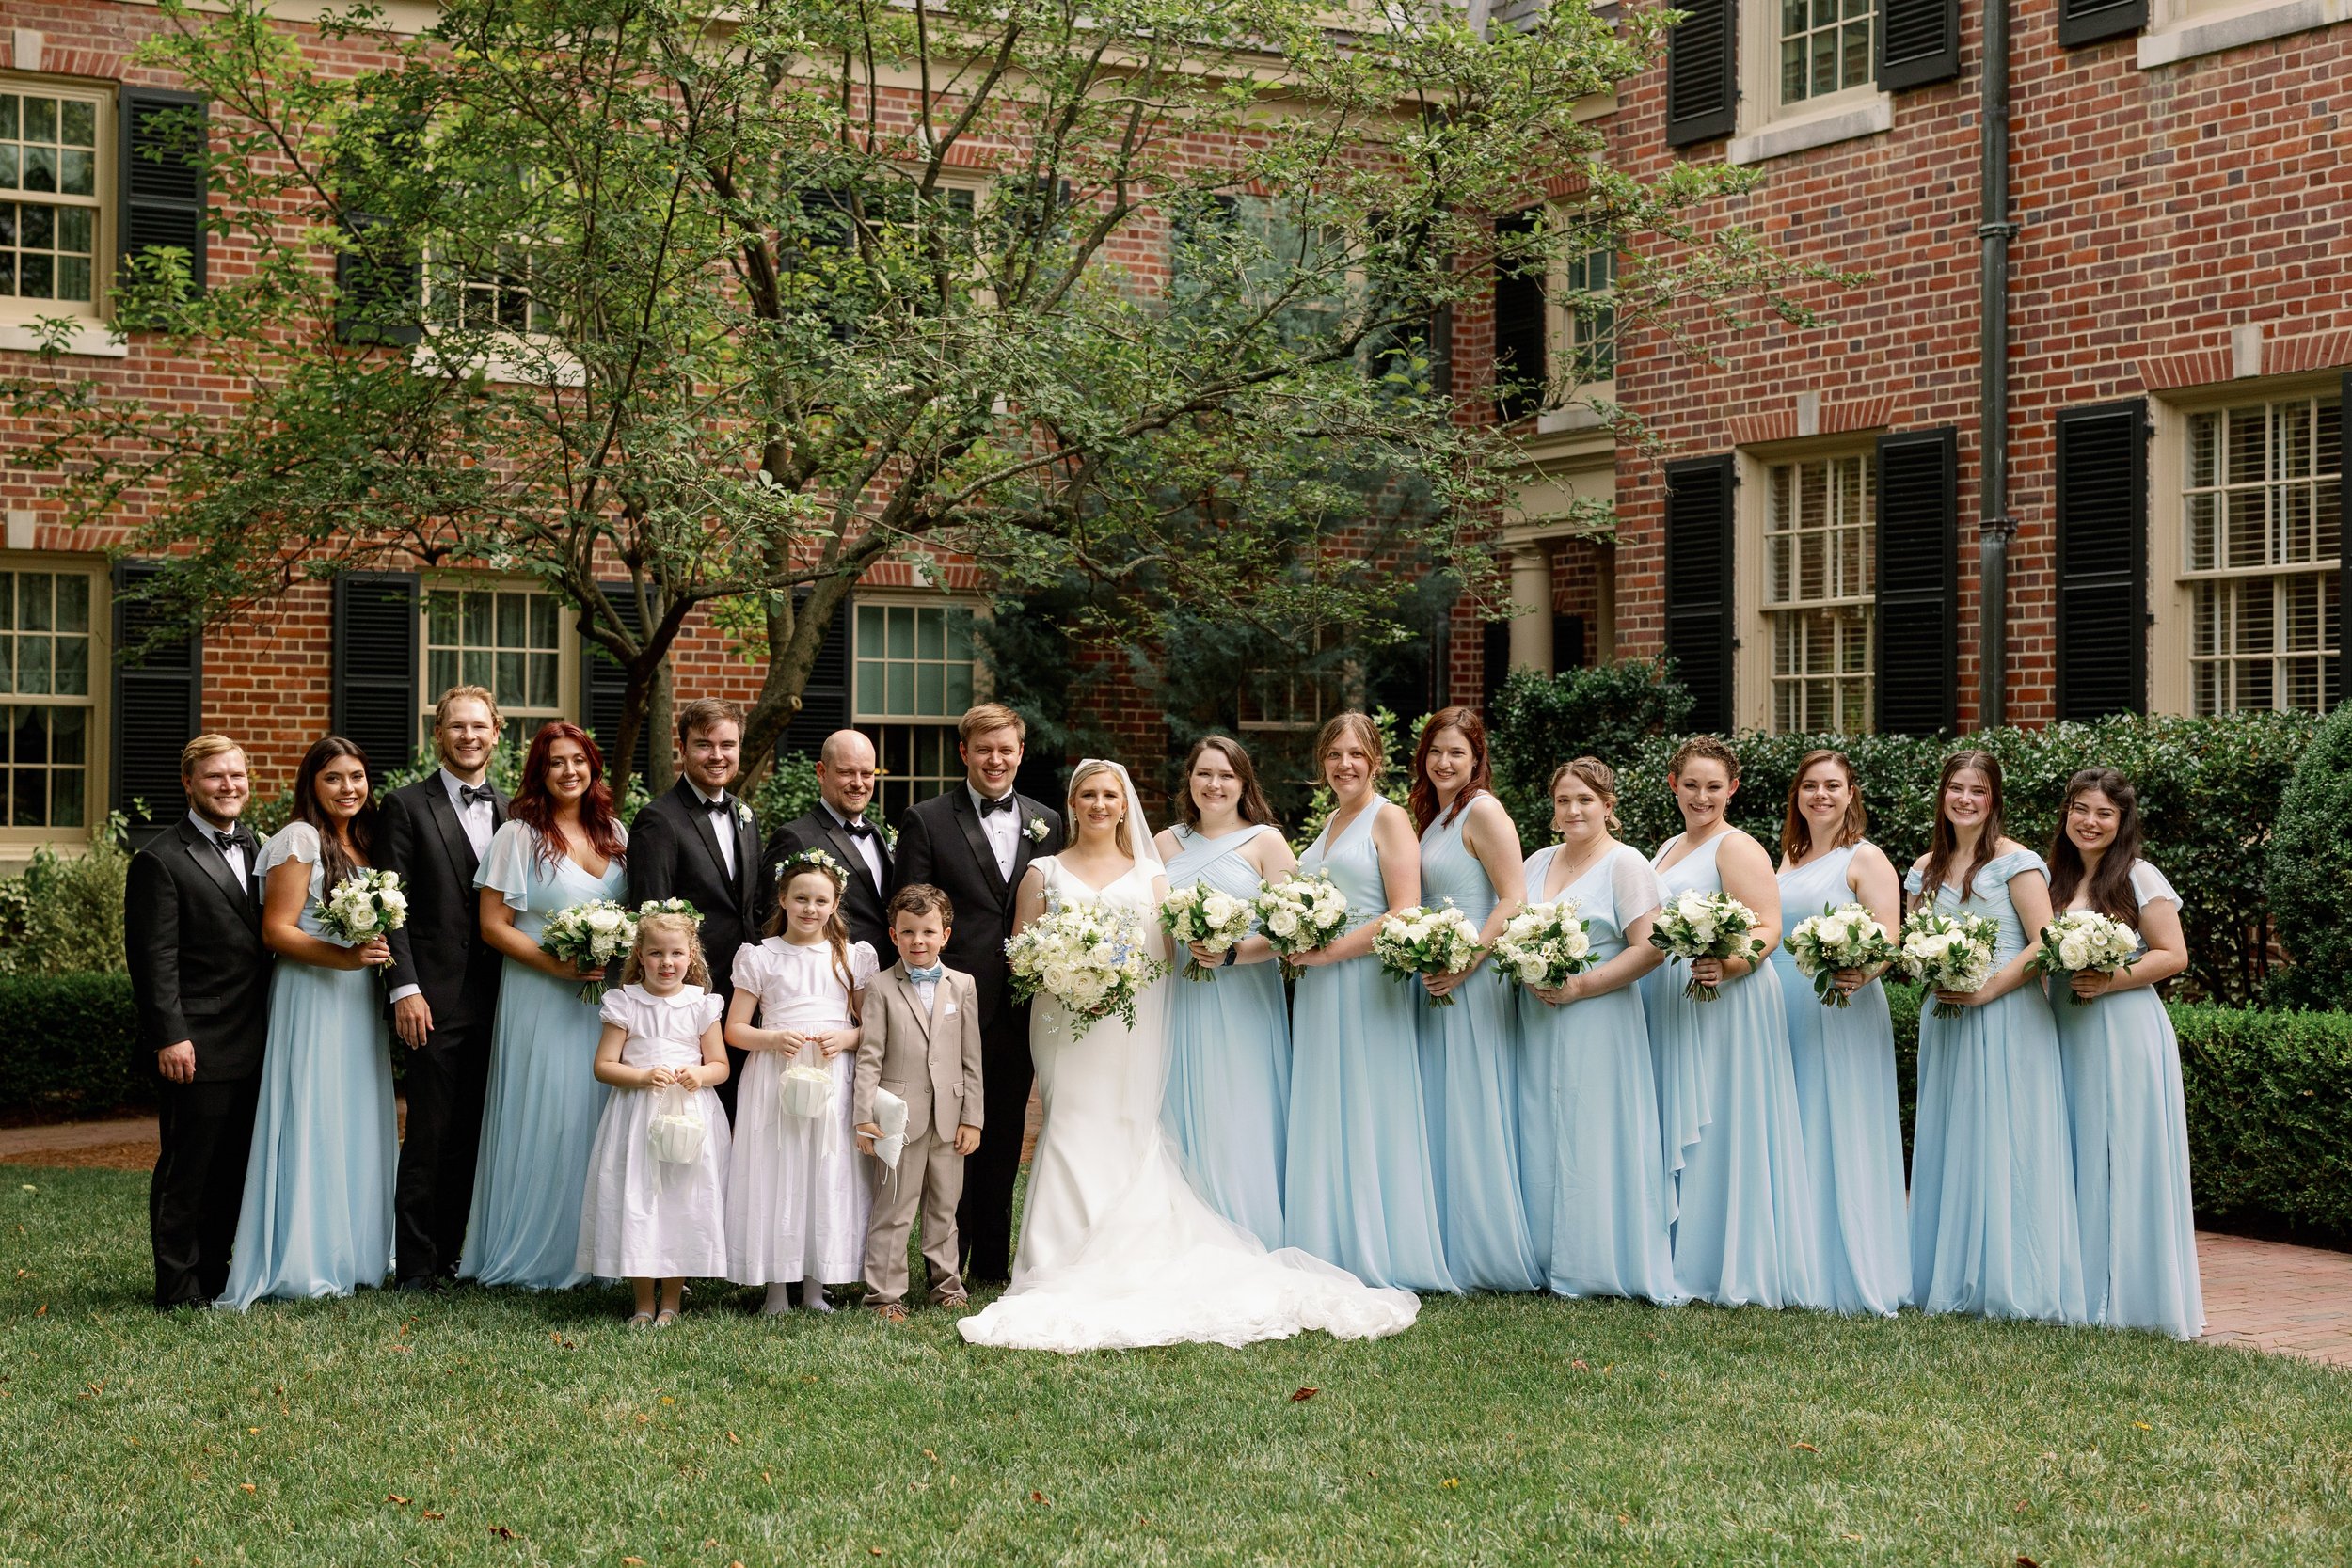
(1233, 956)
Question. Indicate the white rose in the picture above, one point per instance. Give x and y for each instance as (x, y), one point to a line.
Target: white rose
(604, 920)
(2075, 951)
(1531, 970)
(1284, 924)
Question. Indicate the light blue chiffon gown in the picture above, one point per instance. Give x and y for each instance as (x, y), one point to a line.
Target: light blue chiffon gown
(317, 1216)
(2122, 1066)
(539, 1122)
(1994, 1228)
(1357, 1189)
(1469, 1068)
(1743, 1210)
(1854, 1130)
(1229, 1069)
(1601, 1204)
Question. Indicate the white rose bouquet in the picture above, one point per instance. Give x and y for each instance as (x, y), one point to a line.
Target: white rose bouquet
(1847, 937)
(1424, 941)
(363, 906)
(1542, 945)
(595, 935)
(1301, 914)
(1695, 924)
(1214, 919)
(1949, 952)
(1091, 960)
(2083, 941)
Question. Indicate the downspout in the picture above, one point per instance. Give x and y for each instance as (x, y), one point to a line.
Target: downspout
(1994, 230)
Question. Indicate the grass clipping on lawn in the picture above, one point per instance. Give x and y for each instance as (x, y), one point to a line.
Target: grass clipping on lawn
(506, 1428)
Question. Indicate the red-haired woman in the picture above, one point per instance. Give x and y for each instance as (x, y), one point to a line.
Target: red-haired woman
(561, 845)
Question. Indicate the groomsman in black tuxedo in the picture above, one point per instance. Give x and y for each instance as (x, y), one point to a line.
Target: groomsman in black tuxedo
(845, 785)
(444, 981)
(701, 844)
(200, 977)
(972, 843)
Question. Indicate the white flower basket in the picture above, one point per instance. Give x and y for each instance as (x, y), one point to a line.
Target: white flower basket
(806, 1091)
(678, 1132)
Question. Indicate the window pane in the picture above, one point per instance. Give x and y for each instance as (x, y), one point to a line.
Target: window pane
(78, 175)
(477, 619)
(41, 118)
(72, 672)
(869, 631)
(870, 685)
(510, 620)
(32, 601)
(77, 124)
(902, 688)
(930, 631)
(902, 632)
(929, 697)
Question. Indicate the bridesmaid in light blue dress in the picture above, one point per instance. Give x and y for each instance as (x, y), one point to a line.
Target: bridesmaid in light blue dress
(1993, 1228)
(1741, 1205)
(561, 845)
(1844, 1056)
(317, 1216)
(2122, 1066)
(1471, 1051)
(1357, 1189)
(1600, 1204)
(1228, 1072)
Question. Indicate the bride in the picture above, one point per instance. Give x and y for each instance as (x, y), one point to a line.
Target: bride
(1117, 1248)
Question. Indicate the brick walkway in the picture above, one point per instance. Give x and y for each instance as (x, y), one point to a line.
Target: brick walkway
(2264, 1295)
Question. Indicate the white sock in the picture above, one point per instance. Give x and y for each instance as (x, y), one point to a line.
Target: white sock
(779, 1300)
(813, 1296)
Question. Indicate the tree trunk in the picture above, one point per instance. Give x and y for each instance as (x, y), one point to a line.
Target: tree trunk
(661, 723)
(795, 632)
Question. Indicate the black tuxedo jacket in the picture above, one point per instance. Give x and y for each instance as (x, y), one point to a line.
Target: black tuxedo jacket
(674, 854)
(940, 842)
(440, 950)
(861, 906)
(199, 971)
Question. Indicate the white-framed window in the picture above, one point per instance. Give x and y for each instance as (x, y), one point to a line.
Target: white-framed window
(57, 150)
(2260, 553)
(1591, 326)
(507, 636)
(1807, 78)
(1824, 47)
(1820, 588)
(53, 671)
(914, 668)
(496, 298)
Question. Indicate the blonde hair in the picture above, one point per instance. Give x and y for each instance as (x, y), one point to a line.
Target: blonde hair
(1125, 830)
(202, 747)
(1359, 726)
(987, 717)
(468, 694)
(697, 972)
(1595, 775)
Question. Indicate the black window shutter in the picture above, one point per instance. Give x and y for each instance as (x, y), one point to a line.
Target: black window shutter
(1919, 42)
(158, 708)
(1918, 598)
(825, 700)
(378, 621)
(1567, 643)
(379, 285)
(1702, 72)
(2088, 21)
(162, 186)
(1494, 662)
(607, 685)
(1698, 584)
(1521, 367)
(2103, 559)
(2341, 684)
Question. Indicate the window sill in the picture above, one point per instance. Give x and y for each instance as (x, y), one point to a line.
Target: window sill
(2215, 34)
(1576, 416)
(551, 368)
(92, 341)
(1780, 137)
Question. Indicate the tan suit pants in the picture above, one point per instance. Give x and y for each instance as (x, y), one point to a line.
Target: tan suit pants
(930, 1177)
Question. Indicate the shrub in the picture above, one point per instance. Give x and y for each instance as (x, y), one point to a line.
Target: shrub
(1397, 739)
(69, 1046)
(63, 914)
(789, 791)
(1540, 722)
(2269, 1123)
(2309, 873)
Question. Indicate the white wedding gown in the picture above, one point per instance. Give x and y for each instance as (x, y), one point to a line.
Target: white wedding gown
(1117, 1249)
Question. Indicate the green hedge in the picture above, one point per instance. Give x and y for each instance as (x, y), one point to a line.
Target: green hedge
(2309, 875)
(69, 1046)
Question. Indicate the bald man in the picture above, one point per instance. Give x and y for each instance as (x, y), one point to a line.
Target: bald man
(845, 785)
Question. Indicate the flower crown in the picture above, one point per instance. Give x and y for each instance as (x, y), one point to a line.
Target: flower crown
(670, 906)
(811, 860)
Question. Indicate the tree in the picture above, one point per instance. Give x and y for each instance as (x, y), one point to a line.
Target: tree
(734, 299)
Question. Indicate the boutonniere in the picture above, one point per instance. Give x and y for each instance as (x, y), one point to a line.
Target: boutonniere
(742, 813)
(1036, 831)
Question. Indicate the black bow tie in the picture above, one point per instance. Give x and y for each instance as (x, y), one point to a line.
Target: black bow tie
(476, 795)
(1003, 802)
(721, 804)
(857, 826)
(226, 841)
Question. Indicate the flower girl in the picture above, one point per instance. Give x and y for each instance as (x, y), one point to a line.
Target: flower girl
(652, 1212)
(799, 1200)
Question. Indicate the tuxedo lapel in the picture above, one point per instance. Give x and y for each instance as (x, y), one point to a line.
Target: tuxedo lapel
(1025, 847)
(453, 832)
(845, 849)
(215, 864)
(914, 999)
(747, 850)
(699, 815)
(968, 818)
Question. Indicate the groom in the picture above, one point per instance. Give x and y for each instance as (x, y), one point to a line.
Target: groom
(974, 843)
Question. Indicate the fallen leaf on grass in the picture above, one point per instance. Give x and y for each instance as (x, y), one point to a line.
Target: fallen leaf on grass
(2020, 1508)
(1625, 1519)
(2024, 1562)
(253, 1432)
(1041, 1497)
(1581, 1366)
(1300, 1396)
(2143, 1426)
(42, 1311)
(396, 1497)
(737, 1441)
(502, 1533)
(928, 1454)
(667, 1399)
(1854, 1537)
(401, 1350)
(430, 1514)
(1807, 1446)
(1450, 1482)
(874, 1551)
(245, 1486)
(711, 1543)
(634, 1562)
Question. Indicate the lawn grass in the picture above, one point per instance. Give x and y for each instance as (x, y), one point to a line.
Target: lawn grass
(1496, 1430)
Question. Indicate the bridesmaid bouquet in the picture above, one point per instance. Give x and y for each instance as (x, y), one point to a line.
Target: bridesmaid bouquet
(1949, 952)
(1203, 914)
(1301, 916)
(595, 935)
(2082, 942)
(1091, 959)
(364, 905)
(1847, 937)
(1697, 925)
(1424, 941)
(1542, 945)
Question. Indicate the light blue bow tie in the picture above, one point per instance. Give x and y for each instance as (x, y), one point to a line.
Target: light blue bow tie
(930, 977)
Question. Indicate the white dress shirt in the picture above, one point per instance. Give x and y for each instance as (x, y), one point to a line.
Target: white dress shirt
(474, 816)
(725, 838)
(868, 843)
(236, 854)
(924, 989)
(1003, 828)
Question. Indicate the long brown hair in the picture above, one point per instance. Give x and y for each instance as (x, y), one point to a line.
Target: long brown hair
(697, 969)
(1796, 833)
(535, 807)
(2112, 885)
(1254, 807)
(335, 861)
(1423, 797)
(1945, 842)
(836, 928)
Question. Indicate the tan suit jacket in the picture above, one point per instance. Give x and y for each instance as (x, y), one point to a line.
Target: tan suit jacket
(931, 1060)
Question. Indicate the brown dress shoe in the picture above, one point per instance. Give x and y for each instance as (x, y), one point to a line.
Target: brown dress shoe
(955, 1303)
(891, 1312)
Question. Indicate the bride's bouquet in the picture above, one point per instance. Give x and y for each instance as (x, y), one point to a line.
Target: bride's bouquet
(1214, 919)
(363, 906)
(595, 935)
(1422, 941)
(2084, 942)
(1542, 945)
(1301, 916)
(1089, 959)
(1847, 937)
(1949, 952)
(1695, 924)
